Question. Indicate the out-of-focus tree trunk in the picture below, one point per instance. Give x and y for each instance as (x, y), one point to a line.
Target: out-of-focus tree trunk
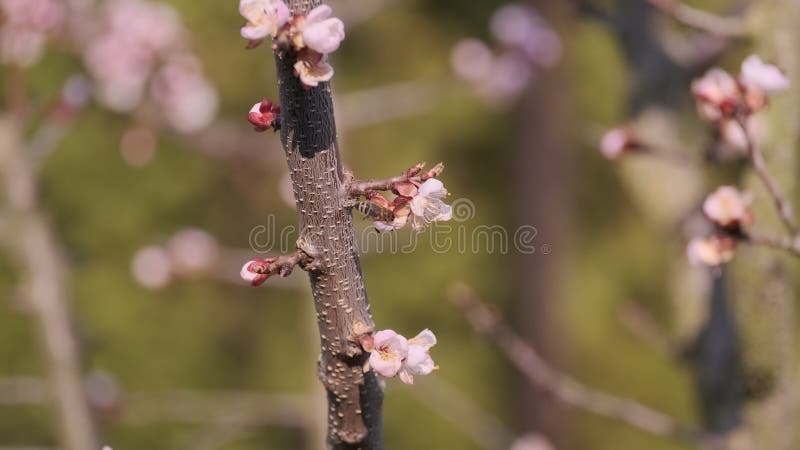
(763, 290)
(37, 253)
(542, 198)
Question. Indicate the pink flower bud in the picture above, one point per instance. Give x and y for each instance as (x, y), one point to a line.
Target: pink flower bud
(256, 271)
(616, 142)
(265, 115)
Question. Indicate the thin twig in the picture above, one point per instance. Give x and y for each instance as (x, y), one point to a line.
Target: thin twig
(415, 175)
(785, 243)
(782, 204)
(564, 388)
(727, 27)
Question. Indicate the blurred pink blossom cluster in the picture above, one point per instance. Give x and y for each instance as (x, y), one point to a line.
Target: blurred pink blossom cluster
(141, 56)
(312, 36)
(727, 102)
(526, 43)
(189, 253)
(24, 29)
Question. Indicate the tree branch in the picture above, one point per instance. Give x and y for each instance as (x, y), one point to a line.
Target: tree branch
(565, 389)
(308, 134)
(782, 204)
(36, 251)
(356, 188)
(727, 27)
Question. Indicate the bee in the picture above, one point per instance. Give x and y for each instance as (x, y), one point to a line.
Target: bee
(374, 211)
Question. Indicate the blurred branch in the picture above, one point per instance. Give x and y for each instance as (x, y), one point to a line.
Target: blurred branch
(639, 322)
(728, 27)
(462, 412)
(222, 408)
(36, 250)
(785, 243)
(389, 102)
(357, 12)
(782, 204)
(189, 407)
(569, 391)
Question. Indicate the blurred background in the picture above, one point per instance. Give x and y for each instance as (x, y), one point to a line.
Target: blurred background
(129, 117)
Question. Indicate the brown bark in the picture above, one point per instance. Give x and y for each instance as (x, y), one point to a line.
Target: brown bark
(308, 133)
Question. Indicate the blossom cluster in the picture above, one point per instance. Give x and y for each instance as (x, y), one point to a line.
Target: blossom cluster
(418, 199)
(729, 210)
(141, 54)
(25, 27)
(391, 354)
(312, 36)
(526, 43)
(727, 102)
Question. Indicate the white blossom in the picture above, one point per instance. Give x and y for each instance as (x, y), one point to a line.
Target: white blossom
(418, 361)
(264, 18)
(427, 206)
(321, 32)
(767, 78)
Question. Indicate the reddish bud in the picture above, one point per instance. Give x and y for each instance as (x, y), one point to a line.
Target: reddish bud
(265, 115)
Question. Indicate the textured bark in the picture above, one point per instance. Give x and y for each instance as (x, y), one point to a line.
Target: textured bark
(308, 133)
(37, 253)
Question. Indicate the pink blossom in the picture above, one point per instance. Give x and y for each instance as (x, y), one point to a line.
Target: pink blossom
(427, 206)
(717, 94)
(264, 115)
(756, 74)
(471, 60)
(390, 349)
(712, 251)
(728, 207)
(264, 18)
(522, 28)
(511, 73)
(193, 251)
(35, 15)
(152, 26)
(312, 72)
(121, 71)
(151, 267)
(616, 142)
(418, 361)
(187, 99)
(321, 32)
